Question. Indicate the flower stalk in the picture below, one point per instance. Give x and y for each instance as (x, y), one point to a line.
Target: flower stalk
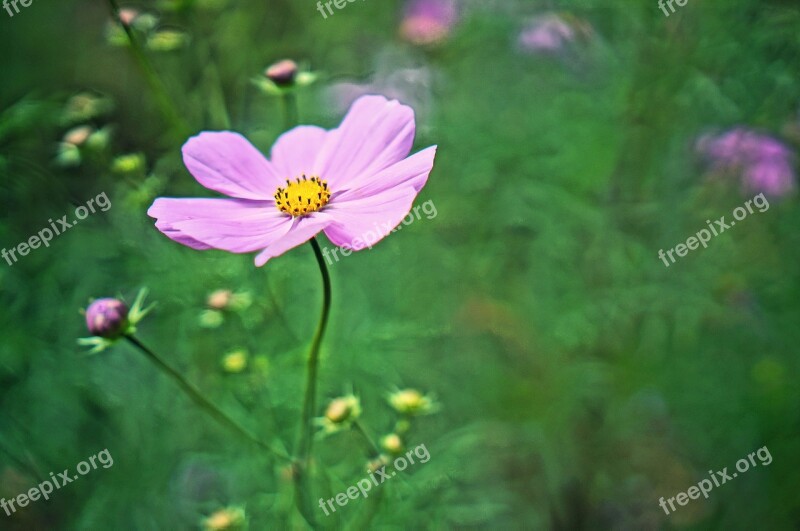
(290, 113)
(165, 104)
(306, 438)
(197, 397)
(374, 449)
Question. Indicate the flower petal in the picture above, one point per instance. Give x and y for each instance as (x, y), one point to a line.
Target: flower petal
(233, 225)
(178, 236)
(412, 171)
(375, 134)
(301, 230)
(295, 152)
(227, 163)
(362, 222)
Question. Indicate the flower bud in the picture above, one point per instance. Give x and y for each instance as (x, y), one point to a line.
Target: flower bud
(377, 463)
(128, 15)
(282, 73)
(229, 518)
(107, 318)
(68, 155)
(85, 106)
(98, 140)
(211, 318)
(131, 163)
(402, 426)
(392, 443)
(219, 299)
(167, 40)
(78, 135)
(145, 22)
(340, 410)
(235, 361)
(410, 402)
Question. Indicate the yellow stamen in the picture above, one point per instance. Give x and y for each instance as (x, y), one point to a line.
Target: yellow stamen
(303, 196)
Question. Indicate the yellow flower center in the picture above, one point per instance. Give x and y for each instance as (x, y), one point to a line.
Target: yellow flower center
(302, 196)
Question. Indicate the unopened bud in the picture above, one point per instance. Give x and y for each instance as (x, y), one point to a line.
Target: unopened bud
(342, 409)
(392, 443)
(107, 318)
(130, 163)
(211, 318)
(85, 106)
(167, 40)
(227, 519)
(219, 299)
(377, 463)
(409, 402)
(78, 135)
(235, 361)
(128, 15)
(282, 73)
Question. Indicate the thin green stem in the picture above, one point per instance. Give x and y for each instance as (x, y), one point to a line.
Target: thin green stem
(370, 442)
(290, 114)
(306, 439)
(309, 402)
(165, 104)
(198, 398)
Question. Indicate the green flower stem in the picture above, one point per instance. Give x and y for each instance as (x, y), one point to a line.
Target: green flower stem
(364, 519)
(290, 113)
(306, 439)
(198, 398)
(360, 429)
(165, 104)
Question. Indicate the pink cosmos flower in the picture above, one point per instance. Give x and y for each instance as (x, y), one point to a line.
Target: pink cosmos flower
(765, 164)
(343, 182)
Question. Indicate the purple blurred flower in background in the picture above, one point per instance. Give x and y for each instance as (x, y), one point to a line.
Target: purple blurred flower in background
(547, 33)
(428, 21)
(763, 163)
(344, 182)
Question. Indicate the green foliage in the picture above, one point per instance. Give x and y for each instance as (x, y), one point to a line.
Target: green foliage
(577, 380)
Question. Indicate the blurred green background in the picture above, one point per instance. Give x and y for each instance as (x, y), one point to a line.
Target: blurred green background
(577, 379)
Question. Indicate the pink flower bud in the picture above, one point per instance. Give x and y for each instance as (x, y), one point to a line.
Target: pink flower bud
(128, 15)
(282, 73)
(107, 318)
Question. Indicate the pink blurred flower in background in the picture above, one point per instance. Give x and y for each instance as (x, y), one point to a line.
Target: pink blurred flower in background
(763, 163)
(344, 182)
(428, 21)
